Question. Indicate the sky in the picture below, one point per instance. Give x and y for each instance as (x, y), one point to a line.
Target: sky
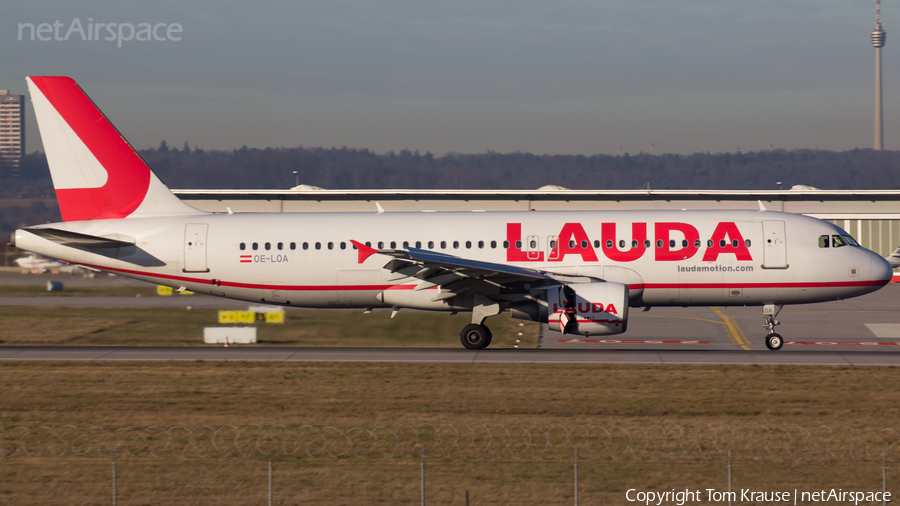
(471, 76)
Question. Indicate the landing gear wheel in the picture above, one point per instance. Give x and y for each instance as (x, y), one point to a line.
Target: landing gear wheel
(774, 342)
(475, 337)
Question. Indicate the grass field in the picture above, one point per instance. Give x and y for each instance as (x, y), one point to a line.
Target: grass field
(365, 395)
(114, 395)
(302, 327)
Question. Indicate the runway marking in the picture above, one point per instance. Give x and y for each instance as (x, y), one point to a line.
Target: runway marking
(736, 335)
(628, 341)
(845, 343)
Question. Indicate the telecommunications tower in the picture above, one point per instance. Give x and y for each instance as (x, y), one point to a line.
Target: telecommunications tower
(878, 38)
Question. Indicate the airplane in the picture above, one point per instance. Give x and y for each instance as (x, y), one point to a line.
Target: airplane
(577, 271)
(39, 263)
(894, 258)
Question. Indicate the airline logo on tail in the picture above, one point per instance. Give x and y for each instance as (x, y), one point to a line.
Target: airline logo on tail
(96, 173)
(78, 133)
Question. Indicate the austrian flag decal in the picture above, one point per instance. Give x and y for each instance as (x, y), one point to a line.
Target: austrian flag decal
(246, 259)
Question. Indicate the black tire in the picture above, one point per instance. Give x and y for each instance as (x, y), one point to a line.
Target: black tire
(774, 342)
(475, 337)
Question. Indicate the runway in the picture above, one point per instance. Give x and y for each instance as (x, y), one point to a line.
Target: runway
(840, 357)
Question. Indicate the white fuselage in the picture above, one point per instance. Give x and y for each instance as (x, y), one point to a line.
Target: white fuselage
(306, 259)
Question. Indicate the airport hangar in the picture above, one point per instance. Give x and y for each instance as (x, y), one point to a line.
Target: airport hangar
(871, 216)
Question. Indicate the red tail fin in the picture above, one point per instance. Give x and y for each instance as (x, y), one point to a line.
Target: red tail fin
(95, 171)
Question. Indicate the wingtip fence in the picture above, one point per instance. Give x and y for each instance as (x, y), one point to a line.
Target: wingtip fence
(446, 441)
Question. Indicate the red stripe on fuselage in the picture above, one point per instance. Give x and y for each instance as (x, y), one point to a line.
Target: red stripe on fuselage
(313, 288)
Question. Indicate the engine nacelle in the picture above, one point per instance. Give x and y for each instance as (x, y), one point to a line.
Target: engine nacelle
(589, 309)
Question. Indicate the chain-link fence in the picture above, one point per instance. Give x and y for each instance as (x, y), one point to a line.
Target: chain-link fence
(478, 441)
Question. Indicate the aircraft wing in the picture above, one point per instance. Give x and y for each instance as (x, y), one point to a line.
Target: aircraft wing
(455, 275)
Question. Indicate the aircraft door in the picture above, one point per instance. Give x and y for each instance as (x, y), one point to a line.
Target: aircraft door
(533, 247)
(552, 247)
(195, 247)
(774, 245)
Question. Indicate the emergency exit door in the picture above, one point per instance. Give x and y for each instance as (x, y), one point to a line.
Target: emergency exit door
(774, 245)
(195, 247)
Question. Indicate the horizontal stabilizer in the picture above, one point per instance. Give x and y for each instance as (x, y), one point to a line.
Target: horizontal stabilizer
(77, 240)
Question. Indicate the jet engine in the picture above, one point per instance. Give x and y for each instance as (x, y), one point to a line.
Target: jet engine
(589, 309)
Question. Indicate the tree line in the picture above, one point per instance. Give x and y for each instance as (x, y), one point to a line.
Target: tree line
(345, 168)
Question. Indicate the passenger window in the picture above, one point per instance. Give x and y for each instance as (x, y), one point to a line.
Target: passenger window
(255, 246)
(331, 245)
(571, 244)
(268, 246)
(722, 243)
(671, 243)
(505, 244)
(747, 242)
(684, 243)
(621, 243)
(735, 243)
(697, 243)
(709, 243)
(552, 244)
(419, 244)
(443, 244)
(468, 244)
(406, 244)
(480, 244)
(393, 244)
(596, 243)
(634, 244)
(659, 243)
(430, 244)
(455, 244)
(306, 245)
(646, 243)
(609, 243)
(343, 245)
(518, 244)
(533, 244)
(293, 246)
(493, 244)
(243, 246)
(369, 244)
(280, 246)
(380, 244)
(584, 244)
(318, 245)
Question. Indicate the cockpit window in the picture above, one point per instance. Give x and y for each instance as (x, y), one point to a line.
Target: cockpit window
(836, 241)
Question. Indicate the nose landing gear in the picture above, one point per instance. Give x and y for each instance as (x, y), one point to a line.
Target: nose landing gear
(773, 341)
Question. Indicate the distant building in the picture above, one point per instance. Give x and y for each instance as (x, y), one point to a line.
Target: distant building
(12, 130)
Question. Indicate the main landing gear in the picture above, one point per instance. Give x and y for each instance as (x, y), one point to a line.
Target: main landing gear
(773, 341)
(475, 337)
